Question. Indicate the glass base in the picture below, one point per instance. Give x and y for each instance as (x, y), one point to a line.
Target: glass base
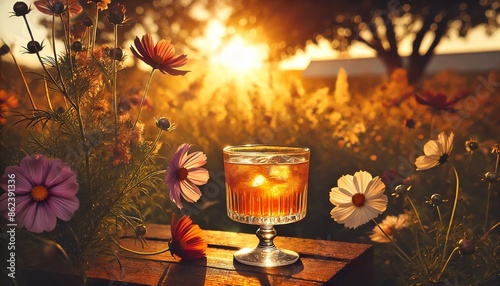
(266, 256)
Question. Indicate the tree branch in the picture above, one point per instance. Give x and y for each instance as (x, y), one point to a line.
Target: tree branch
(428, 20)
(390, 33)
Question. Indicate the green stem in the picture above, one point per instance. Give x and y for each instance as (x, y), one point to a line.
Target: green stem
(440, 217)
(489, 195)
(153, 146)
(24, 82)
(144, 96)
(139, 252)
(453, 210)
(416, 213)
(95, 30)
(47, 94)
(407, 259)
(492, 228)
(445, 265)
(115, 106)
(41, 61)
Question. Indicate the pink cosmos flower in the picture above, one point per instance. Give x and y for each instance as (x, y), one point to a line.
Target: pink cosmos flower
(45, 190)
(159, 56)
(184, 175)
(57, 7)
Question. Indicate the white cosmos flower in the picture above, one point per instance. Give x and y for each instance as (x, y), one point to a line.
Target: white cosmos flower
(391, 225)
(358, 199)
(435, 152)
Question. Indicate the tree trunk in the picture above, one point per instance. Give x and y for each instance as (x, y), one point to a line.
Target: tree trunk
(391, 61)
(416, 67)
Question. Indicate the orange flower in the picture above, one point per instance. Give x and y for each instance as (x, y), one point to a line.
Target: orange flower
(187, 240)
(101, 4)
(57, 7)
(160, 56)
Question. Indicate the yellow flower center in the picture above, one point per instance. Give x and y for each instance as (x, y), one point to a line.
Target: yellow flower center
(358, 200)
(39, 193)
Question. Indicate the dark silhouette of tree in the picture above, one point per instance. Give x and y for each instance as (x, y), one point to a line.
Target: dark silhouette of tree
(289, 24)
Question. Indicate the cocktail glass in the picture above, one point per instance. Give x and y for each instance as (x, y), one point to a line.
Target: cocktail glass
(266, 185)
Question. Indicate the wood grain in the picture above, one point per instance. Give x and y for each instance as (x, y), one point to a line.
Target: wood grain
(321, 263)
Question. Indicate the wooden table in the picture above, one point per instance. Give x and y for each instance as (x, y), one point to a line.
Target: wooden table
(321, 262)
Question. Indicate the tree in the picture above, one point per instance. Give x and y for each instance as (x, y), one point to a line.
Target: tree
(381, 25)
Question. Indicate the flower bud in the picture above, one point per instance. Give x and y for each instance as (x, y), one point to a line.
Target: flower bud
(491, 177)
(4, 49)
(21, 9)
(77, 46)
(116, 14)
(436, 199)
(33, 47)
(58, 8)
(163, 123)
(88, 22)
(465, 247)
(140, 230)
(471, 145)
(116, 54)
(409, 123)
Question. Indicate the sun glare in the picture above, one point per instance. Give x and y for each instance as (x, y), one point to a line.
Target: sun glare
(240, 56)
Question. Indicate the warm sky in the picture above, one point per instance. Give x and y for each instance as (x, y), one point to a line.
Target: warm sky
(13, 32)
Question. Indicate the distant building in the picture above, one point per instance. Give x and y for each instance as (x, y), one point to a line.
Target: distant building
(460, 63)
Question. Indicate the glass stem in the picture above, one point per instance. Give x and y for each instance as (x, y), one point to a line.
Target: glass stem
(266, 234)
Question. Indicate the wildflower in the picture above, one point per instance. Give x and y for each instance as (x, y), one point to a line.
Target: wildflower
(400, 190)
(21, 9)
(436, 200)
(184, 175)
(471, 145)
(116, 54)
(33, 47)
(57, 7)
(101, 4)
(491, 177)
(77, 46)
(436, 152)
(391, 225)
(116, 14)
(87, 21)
(358, 199)
(187, 240)
(45, 190)
(4, 49)
(160, 56)
(438, 101)
(409, 123)
(465, 247)
(165, 124)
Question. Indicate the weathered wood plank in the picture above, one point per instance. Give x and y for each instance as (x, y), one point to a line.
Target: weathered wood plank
(321, 263)
(308, 268)
(312, 247)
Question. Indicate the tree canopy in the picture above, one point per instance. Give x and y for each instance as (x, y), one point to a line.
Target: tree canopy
(381, 25)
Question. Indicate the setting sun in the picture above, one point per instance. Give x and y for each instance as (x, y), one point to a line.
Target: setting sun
(240, 56)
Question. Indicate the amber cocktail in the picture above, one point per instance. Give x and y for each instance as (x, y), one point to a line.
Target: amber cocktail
(266, 185)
